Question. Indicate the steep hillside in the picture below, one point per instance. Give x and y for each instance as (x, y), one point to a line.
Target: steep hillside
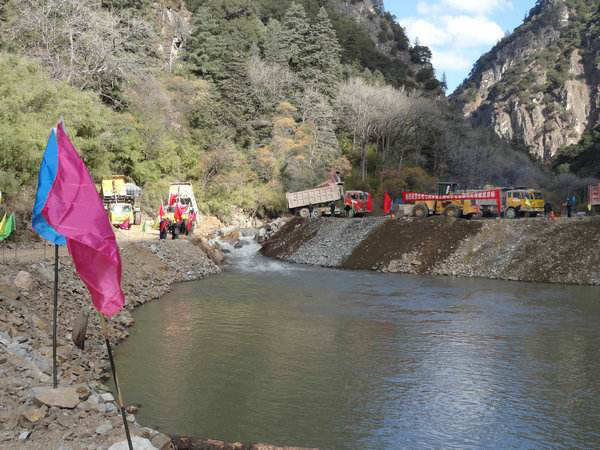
(540, 86)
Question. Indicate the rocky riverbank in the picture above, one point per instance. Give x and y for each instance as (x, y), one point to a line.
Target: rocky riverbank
(557, 251)
(82, 413)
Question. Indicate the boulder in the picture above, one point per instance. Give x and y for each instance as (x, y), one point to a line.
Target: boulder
(23, 281)
(104, 428)
(33, 414)
(162, 442)
(139, 443)
(8, 292)
(107, 397)
(61, 397)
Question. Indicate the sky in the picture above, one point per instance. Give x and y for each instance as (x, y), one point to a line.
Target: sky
(458, 32)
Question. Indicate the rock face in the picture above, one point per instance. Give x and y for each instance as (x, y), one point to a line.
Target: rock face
(540, 86)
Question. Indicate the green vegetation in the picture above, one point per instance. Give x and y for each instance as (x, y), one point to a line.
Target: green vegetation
(246, 99)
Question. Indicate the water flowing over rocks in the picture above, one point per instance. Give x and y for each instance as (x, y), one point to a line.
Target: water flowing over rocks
(556, 251)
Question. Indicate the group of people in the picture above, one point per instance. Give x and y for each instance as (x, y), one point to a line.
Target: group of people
(176, 227)
(570, 205)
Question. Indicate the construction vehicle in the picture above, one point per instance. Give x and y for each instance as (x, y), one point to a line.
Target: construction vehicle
(594, 198)
(449, 201)
(181, 196)
(516, 202)
(329, 199)
(121, 201)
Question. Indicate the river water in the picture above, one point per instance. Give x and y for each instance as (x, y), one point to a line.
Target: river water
(297, 355)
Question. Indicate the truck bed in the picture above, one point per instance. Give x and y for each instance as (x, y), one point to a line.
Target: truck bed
(317, 196)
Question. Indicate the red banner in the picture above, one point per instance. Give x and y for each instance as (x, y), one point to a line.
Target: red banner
(492, 194)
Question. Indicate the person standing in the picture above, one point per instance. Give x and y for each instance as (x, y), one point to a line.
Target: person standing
(569, 206)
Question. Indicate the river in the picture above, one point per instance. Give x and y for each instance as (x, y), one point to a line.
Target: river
(313, 357)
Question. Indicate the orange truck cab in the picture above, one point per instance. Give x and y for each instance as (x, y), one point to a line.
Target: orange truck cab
(357, 203)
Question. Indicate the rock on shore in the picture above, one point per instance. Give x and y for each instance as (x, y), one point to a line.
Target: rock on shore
(81, 414)
(557, 251)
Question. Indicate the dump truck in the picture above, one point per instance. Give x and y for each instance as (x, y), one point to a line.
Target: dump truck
(516, 202)
(328, 199)
(121, 200)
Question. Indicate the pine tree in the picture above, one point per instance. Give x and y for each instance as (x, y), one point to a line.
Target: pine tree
(217, 55)
(296, 36)
(323, 56)
(274, 49)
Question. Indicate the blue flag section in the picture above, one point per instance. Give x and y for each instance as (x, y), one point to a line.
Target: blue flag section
(46, 177)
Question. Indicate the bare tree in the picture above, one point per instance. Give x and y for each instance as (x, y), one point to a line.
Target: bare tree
(80, 42)
(271, 82)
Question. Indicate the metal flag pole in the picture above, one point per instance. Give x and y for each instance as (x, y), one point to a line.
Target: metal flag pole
(55, 320)
(114, 371)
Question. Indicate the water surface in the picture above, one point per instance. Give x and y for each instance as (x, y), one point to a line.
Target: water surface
(294, 355)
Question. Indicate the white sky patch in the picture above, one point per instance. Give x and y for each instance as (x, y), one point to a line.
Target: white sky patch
(472, 32)
(449, 61)
(456, 31)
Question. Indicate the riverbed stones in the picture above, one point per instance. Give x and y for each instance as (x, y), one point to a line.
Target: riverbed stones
(33, 414)
(107, 397)
(61, 397)
(23, 281)
(162, 441)
(139, 443)
(104, 428)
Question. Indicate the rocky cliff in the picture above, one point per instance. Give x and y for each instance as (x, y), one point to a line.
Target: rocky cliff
(540, 86)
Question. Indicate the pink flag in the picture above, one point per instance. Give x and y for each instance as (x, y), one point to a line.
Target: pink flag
(74, 209)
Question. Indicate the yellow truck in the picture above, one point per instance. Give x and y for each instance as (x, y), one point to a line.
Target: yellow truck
(120, 201)
(522, 202)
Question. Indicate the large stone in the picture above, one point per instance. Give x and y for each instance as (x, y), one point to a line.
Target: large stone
(139, 443)
(23, 281)
(33, 414)
(61, 397)
(107, 397)
(104, 428)
(162, 442)
(8, 292)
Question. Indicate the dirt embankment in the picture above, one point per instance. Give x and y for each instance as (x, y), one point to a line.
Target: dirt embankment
(557, 251)
(83, 414)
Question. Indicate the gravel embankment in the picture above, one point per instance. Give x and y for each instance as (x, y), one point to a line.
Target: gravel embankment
(324, 242)
(556, 251)
(82, 414)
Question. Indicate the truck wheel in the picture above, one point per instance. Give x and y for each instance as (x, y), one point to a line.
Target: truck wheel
(304, 212)
(452, 211)
(316, 213)
(421, 211)
(511, 213)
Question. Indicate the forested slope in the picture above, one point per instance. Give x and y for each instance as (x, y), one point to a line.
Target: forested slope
(246, 99)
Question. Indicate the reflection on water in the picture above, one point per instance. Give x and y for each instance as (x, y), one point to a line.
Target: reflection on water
(315, 357)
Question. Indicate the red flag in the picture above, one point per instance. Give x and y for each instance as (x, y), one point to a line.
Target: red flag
(74, 209)
(172, 199)
(387, 203)
(177, 215)
(160, 212)
(125, 225)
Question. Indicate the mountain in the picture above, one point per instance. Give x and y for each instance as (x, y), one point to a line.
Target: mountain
(539, 87)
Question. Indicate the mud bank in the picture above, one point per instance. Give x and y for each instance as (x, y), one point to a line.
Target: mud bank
(558, 251)
(83, 415)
